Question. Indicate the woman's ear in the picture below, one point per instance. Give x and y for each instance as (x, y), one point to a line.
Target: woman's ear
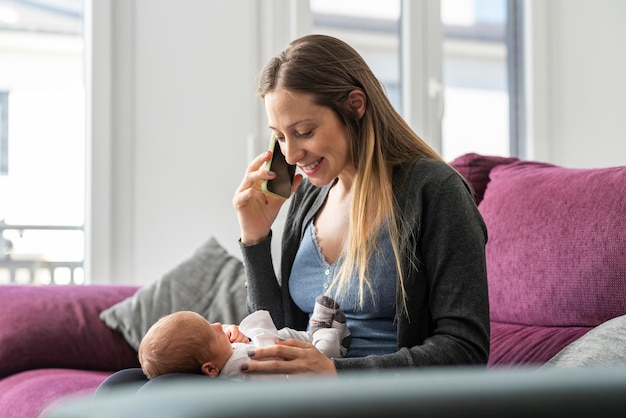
(209, 369)
(357, 100)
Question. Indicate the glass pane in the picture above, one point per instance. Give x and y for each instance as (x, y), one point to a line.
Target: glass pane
(43, 245)
(476, 91)
(43, 152)
(372, 27)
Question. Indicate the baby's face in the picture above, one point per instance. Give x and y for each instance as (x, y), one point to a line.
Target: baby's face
(219, 343)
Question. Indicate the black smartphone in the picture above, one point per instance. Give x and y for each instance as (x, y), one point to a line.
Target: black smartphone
(281, 184)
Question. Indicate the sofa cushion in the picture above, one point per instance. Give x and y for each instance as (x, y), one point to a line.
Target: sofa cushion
(555, 255)
(58, 326)
(513, 344)
(475, 168)
(210, 282)
(31, 393)
(605, 345)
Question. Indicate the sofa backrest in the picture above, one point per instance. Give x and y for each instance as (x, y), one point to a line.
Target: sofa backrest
(556, 254)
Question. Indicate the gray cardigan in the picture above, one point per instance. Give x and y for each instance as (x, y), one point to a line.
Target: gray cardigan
(443, 244)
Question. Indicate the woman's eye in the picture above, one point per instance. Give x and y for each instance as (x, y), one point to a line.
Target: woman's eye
(304, 134)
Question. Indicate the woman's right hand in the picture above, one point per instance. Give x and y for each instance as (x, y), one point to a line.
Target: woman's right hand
(256, 210)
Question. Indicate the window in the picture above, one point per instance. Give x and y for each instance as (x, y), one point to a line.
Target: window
(482, 78)
(372, 27)
(43, 143)
(477, 45)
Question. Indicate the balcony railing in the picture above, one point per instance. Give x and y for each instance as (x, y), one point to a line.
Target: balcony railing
(24, 269)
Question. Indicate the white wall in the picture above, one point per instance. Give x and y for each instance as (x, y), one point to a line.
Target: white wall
(176, 105)
(193, 107)
(182, 107)
(579, 84)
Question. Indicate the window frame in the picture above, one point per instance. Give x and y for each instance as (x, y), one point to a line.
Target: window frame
(516, 70)
(421, 69)
(4, 133)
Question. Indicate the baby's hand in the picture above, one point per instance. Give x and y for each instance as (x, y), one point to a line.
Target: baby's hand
(234, 335)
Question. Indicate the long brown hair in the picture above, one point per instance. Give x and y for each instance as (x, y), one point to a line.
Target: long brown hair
(328, 69)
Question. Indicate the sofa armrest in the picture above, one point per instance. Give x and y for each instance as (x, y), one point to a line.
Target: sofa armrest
(434, 392)
(50, 326)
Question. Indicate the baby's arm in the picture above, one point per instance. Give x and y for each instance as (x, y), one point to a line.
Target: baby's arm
(234, 335)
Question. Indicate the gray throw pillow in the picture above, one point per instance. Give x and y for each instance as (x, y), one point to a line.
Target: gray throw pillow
(604, 345)
(211, 283)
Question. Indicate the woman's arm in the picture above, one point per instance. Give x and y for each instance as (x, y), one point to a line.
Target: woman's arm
(453, 240)
(264, 291)
(256, 212)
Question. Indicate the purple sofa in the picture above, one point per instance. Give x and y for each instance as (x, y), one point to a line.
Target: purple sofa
(556, 261)
(556, 254)
(53, 344)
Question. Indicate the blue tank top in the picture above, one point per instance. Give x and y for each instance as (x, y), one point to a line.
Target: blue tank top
(373, 327)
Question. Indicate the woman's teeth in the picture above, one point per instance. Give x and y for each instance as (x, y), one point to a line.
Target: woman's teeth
(312, 165)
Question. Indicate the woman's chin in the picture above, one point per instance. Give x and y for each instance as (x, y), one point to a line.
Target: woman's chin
(320, 181)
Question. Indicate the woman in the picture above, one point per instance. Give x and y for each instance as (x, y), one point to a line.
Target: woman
(381, 224)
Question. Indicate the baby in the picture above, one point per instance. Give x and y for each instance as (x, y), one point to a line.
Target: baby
(185, 342)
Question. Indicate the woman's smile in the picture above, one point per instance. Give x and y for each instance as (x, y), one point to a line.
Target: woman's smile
(310, 169)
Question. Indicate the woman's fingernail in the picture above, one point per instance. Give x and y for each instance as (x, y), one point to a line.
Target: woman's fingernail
(271, 173)
(244, 367)
(251, 353)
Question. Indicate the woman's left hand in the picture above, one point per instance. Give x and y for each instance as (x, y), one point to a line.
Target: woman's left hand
(289, 357)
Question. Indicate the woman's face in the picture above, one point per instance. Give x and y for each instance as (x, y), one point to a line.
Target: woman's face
(310, 136)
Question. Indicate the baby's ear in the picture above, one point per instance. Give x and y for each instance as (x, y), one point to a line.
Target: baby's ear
(209, 369)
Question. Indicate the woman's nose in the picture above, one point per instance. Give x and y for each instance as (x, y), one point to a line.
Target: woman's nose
(291, 151)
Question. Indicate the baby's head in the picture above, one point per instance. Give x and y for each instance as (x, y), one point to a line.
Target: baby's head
(184, 342)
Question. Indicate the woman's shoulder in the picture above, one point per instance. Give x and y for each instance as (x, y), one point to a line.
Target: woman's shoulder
(429, 185)
(425, 180)
(424, 172)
